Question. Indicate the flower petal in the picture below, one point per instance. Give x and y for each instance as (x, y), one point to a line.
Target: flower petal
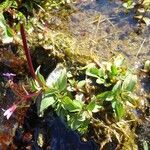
(8, 115)
(10, 111)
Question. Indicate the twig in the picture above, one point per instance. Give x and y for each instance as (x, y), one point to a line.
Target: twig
(97, 27)
(110, 22)
(140, 47)
(103, 20)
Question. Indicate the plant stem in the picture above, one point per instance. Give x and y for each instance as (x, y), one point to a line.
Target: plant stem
(26, 50)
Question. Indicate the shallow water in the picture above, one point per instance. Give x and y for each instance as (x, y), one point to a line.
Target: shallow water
(110, 30)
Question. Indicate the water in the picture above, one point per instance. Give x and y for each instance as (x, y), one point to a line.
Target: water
(111, 29)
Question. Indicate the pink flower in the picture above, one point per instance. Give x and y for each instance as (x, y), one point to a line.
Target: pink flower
(9, 111)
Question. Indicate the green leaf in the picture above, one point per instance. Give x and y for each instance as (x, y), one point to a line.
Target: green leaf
(62, 81)
(114, 70)
(90, 65)
(79, 122)
(145, 145)
(70, 105)
(62, 113)
(126, 96)
(58, 78)
(9, 31)
(117, 87)
(118, 61)
(101, 72)
(40, 77)
(129, 83)
(2, 22)
(75, 123)
(21, 17)
(129, 4)
(72, 82)
(33, 85)
(119, 110)
(51, 91)
(109, 98)
(92, 72)
(81, 84)
(147, 66)
(83, 128)
(91, 105)
(5, 4)
(97, 108)
(105, 95)
(78, 104)
(47, 100)
(100, 81)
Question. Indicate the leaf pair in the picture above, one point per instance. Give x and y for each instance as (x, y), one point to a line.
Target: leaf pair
(119, 95)
(93, 106)
(55, 83)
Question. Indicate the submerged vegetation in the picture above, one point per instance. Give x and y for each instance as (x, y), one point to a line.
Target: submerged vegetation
(98, 99)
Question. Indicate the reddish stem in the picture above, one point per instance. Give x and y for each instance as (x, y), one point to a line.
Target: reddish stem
(26, 50)
(27, 97)
(31, 95)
